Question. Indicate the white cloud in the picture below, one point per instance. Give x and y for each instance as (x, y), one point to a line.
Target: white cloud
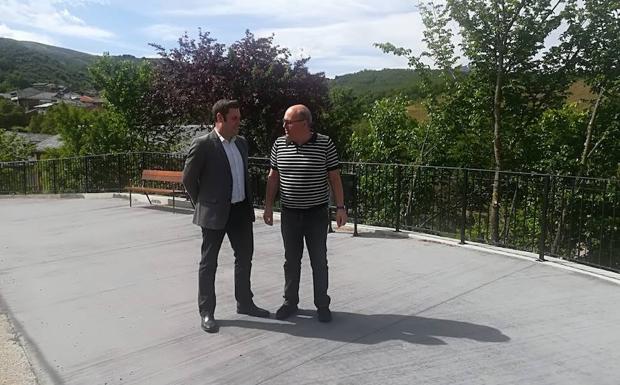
(7, 32)
(349, 45)
(77, 3)
(293, 11)
(51, 17)
(164, 32)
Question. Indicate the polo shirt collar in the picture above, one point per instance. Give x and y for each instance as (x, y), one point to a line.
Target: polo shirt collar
(312, 140)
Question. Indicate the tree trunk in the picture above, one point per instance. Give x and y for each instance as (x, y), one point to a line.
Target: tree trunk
(582, 170)
(497, 147)
(587, 144)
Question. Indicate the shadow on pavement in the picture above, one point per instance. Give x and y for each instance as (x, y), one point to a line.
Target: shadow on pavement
(374, 328)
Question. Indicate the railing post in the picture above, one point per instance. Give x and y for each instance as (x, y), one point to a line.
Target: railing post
(25, 178)
(398, 193)
(86, 174)
(54, 185)
(355, 211)
(464, 205)
(119, 166)
(543, 220)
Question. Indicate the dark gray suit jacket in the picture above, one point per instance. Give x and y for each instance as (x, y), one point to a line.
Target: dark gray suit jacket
(208, 180)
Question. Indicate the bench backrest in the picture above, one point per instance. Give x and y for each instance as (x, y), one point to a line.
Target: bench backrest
(163, 176)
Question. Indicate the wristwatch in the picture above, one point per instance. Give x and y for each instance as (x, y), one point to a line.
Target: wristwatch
(340, 208)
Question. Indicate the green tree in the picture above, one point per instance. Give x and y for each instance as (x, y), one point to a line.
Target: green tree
(344, 114)
(13, 147)
(590, 46)
(85, 132)
(393, 136)
(12, 115)
(502, 41)
(127, 86)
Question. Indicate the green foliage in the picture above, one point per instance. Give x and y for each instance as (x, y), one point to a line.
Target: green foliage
(123, 84)
(345, 113)
(555, 142)
(85, 132)
(127, 86)
(13, 147)
(392, 137)
(23, 63)
(12, 115)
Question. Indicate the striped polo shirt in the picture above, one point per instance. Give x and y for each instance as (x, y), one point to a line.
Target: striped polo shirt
(303, 170)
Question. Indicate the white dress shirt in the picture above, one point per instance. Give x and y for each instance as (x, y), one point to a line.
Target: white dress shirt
(236, 168)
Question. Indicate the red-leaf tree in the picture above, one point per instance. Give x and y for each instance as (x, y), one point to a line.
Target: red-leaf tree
(191, 77)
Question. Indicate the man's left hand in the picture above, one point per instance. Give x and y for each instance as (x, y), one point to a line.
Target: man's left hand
(341, 217)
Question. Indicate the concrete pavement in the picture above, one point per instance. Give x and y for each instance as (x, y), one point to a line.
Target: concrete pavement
(106, 294)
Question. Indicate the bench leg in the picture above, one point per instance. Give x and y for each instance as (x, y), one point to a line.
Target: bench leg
(173, 208)
(149, 198)
(129, 198)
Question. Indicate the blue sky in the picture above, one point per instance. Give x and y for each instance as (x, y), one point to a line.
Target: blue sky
(337, 35)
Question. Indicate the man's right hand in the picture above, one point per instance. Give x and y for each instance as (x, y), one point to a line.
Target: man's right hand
(268, 216)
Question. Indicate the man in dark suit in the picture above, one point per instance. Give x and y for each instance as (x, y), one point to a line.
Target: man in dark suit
(216, 178)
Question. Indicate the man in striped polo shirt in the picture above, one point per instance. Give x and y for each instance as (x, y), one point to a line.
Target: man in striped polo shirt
(303, 166)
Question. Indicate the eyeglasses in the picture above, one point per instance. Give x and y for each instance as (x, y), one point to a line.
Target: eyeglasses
(287, 122)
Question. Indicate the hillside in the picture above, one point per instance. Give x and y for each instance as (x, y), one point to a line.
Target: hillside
(380, 83)
(23, 63)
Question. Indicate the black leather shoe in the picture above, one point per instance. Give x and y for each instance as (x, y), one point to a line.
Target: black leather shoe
(252, 310)
(286, 311)
(325, 315)
(208, 324)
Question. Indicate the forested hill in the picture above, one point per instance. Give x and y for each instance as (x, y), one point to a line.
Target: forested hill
(23, 63)
(380, 83)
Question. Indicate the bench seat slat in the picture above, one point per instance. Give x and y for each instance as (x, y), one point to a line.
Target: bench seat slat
(153, 190)
(163, 176)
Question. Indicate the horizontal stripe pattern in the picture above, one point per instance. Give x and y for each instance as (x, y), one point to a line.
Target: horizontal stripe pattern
(303, 170)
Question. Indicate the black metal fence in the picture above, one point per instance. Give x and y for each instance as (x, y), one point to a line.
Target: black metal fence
(572, 218)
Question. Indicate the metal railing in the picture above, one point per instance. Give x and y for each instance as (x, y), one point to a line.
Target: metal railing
(568, 217)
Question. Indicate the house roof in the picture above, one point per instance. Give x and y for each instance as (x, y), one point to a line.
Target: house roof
(42, 142)
(43, 96)
(44, 105)
(27, 93)
(52, 142)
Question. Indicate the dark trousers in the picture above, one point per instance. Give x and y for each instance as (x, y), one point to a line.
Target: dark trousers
(309, 225)
(239, 231)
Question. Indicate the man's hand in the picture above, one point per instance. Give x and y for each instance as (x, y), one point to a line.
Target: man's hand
(268, 216)
(341, 217)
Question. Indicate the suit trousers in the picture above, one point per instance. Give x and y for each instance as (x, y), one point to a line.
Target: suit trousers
(240, 234)
(310, 225)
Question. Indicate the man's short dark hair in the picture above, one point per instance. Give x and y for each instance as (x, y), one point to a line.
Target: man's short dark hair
(222, 106)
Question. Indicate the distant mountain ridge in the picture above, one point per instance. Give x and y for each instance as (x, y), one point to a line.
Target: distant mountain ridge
(23, 63)
(374, 84)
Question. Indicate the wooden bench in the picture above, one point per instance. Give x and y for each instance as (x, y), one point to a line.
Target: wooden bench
(172, 180)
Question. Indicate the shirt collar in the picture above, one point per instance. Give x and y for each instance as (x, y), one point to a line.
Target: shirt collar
(312, 140)
(232, 140)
